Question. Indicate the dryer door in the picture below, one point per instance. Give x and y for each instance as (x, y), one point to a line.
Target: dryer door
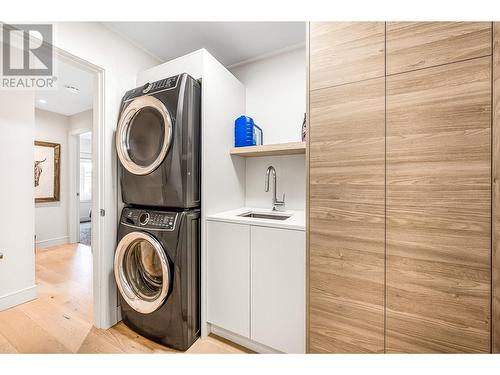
(143, 135)
(142, 272)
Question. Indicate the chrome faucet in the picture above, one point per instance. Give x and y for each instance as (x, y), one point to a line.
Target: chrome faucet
(277, 204)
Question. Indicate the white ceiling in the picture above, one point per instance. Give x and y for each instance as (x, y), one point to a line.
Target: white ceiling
(61, 100)
(229, 42)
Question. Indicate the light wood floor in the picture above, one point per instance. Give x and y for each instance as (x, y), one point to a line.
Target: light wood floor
(60, 319)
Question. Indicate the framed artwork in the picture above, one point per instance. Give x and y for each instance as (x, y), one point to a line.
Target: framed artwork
(47, 171)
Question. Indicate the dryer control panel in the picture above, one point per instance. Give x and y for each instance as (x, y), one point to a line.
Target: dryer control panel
(149, 219)
(167, 83)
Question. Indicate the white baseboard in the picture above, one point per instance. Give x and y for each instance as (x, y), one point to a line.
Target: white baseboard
(16, 298)
(243, 341)
(52, 242)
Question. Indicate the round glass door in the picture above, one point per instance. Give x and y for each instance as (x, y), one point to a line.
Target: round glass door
(142, 272)
(143, 135)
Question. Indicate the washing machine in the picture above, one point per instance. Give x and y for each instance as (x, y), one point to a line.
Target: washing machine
(158, 143)
(157, 271)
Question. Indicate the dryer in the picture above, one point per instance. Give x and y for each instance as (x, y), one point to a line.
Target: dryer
(158, 143)
(157, 271)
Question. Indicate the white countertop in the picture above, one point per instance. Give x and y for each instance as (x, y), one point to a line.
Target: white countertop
(296, 221)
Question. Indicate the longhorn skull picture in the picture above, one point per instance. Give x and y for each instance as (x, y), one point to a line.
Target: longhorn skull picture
(38, 171)
(47, 168)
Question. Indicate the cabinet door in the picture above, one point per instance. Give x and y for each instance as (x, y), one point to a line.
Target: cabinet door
(496, 191)
(228, 276)
(439, 209)
(278, 288)
(346, 218)
(416, 45)
(343, 52)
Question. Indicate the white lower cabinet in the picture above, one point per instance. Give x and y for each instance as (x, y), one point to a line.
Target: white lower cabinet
(228, 276)
(277, 288)
(256, 283)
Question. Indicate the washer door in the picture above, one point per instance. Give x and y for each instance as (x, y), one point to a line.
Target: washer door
(143, 135)
(142, 272)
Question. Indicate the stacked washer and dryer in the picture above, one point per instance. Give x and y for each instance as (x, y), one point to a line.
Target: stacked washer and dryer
(157, 260)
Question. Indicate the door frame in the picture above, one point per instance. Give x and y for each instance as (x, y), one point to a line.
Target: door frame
(74, 183)
(99, 274)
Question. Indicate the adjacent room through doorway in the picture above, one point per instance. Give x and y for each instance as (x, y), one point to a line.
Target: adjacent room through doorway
(63, 206)
(85, 188)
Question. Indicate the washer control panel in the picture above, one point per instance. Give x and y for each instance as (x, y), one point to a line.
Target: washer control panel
(149, 219)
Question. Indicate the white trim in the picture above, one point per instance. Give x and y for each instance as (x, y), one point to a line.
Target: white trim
(267, 55)
(103, 317)
(52, 242)
(74, 186)
(243, 341)
(16, 298)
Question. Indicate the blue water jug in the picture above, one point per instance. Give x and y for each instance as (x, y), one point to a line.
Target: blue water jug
(246, 132)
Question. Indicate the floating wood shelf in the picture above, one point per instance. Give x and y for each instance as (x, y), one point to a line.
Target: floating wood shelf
(292, 148)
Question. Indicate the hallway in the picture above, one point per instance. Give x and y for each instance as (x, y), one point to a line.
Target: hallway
(60, 319)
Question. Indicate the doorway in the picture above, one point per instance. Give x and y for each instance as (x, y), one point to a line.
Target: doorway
(85, 188)
(65, 117)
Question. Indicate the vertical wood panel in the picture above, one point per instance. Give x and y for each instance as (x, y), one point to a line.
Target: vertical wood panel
(346, 208)
(416, 45)
(308, 125)
(343, 52)
(439, 209)
(496, 191)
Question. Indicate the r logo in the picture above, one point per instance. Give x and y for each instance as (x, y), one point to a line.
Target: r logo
(27, 50)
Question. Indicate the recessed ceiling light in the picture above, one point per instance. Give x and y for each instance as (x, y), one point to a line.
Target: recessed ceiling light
(72, 89)
(43, 101)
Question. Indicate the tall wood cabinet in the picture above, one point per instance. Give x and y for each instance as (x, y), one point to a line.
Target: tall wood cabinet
(346, 188)
(439, 209)
(400, 187)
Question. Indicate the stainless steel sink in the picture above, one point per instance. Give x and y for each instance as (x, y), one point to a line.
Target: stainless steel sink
(258, 215)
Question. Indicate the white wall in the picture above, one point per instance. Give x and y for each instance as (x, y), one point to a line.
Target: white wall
(121, 61)
(85, 147)
(81, 122)
(276, 94)
(290, 174)
(276, 100)
(51, 218)
(17, 268)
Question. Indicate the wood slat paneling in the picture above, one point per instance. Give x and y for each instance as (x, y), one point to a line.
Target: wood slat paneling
(439, 209)
(346, 218)
(343, 52)
(416, 45)
(496, 190)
